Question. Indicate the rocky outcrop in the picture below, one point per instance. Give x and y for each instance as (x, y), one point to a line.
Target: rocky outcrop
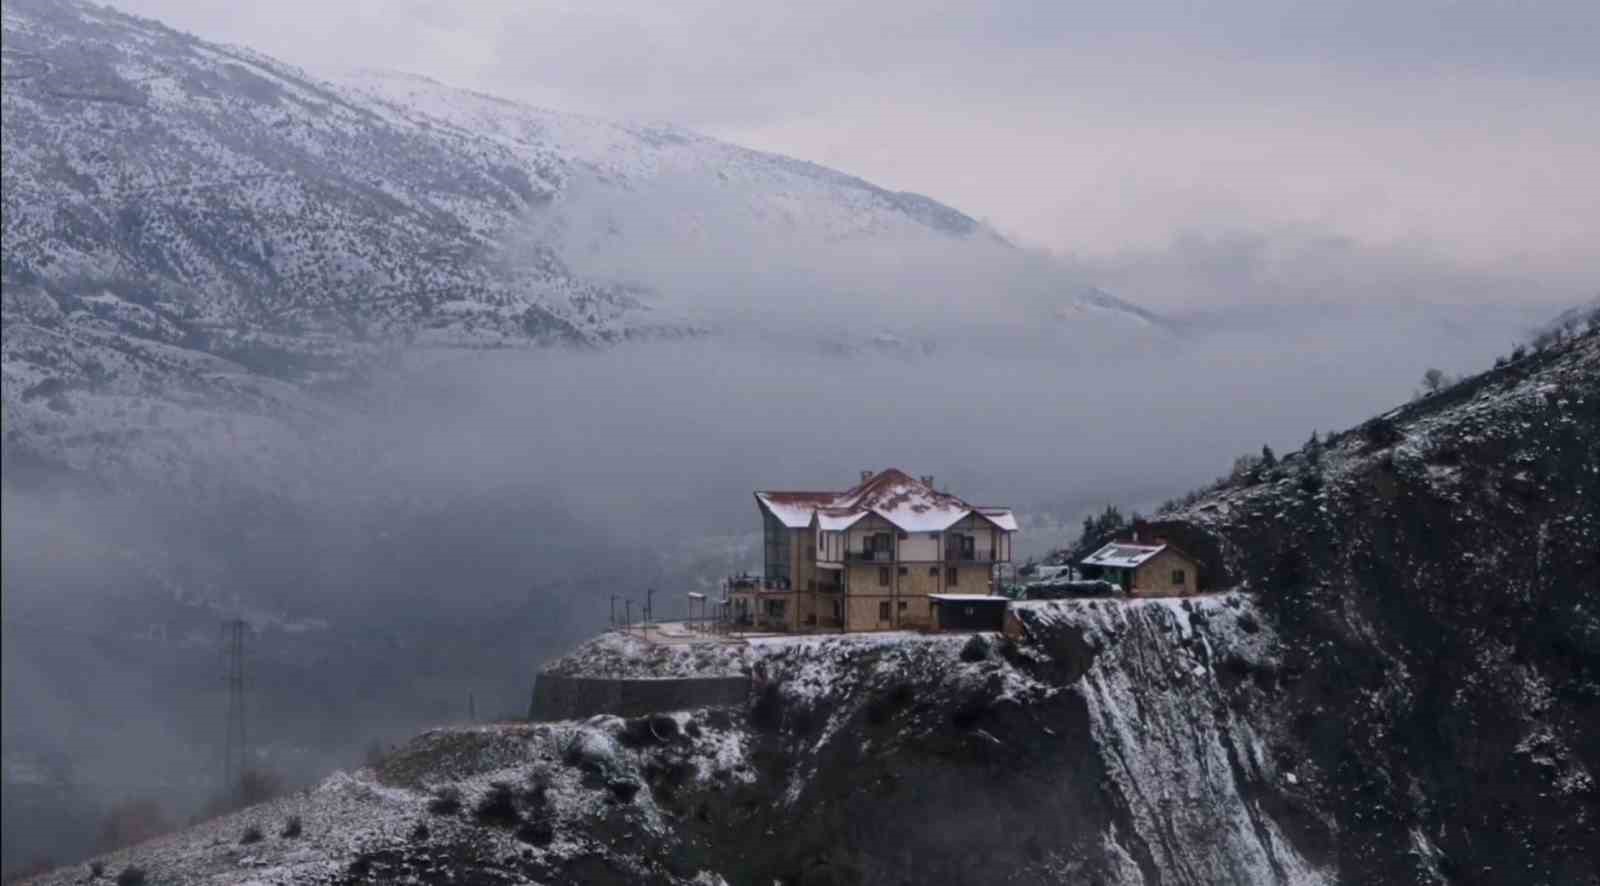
(1403, 690)
(1433, 573)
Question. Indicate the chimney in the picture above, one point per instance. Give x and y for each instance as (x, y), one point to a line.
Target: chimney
(865, 476)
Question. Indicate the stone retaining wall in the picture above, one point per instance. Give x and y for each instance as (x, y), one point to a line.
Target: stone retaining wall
(571, 698)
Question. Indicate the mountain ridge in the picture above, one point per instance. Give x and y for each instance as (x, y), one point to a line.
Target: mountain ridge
(203, 232)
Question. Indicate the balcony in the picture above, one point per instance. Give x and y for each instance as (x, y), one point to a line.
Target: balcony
(969, 556)
(869, 557)
(755, 584)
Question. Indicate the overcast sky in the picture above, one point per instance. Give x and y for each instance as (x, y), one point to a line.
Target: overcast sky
(1175, 149)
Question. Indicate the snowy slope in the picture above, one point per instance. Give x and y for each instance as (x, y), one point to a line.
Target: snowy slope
(196, 235)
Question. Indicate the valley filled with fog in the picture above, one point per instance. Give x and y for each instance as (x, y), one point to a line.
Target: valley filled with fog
(471, 513)
(416, 381)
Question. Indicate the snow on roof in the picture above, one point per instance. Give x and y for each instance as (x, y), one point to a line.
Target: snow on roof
(908, 503)
(1001, 517)
(794, 509)
(833, 520)
(968, 598)
(1123, 554)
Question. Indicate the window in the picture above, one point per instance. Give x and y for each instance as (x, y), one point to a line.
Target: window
(952, 577)
(1178, 577)
(883, 611)
(775, 548)
(775, 608)
(904, 571)
(883, 576)
(836, 613)
(933, 572)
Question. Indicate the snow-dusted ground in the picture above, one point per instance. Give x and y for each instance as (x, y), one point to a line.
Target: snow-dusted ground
(576, 764)
(626, 655)
(1186, 769)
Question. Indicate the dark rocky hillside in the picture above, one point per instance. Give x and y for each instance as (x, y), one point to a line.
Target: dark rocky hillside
(1436, 573)
(1399, 687)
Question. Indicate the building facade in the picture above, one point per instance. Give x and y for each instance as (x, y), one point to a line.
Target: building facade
(869, 558)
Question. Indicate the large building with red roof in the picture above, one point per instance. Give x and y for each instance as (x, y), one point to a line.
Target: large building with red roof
(874, 557)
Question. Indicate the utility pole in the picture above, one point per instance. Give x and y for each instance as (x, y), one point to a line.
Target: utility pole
(649, 605)
(613, 610)
(234, 746)
(628, 606)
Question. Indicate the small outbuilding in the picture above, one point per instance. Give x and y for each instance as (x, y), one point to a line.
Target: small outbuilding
(1144, 570)
(968, 612)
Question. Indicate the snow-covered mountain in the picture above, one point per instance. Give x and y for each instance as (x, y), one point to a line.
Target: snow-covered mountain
(197, 238)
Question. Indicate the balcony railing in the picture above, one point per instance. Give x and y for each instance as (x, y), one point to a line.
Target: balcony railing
(869, 556)
(969, 556)
(752, 583)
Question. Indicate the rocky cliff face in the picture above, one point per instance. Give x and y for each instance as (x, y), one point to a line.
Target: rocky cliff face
(1111, 745)
(1400, 688)
(1434, 573)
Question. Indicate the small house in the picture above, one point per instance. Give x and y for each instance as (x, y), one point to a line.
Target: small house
(1156, 569)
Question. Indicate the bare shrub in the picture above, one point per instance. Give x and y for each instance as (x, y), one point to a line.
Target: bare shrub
(498, 806)
(255, 786)
(446, 801)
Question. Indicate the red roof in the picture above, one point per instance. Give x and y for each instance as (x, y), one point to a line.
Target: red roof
(896, 496)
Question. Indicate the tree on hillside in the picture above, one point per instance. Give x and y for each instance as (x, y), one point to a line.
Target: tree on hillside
(1434, 381)
(1098, 526)
(1313, 449)
(1269, 459)
(1244, 468)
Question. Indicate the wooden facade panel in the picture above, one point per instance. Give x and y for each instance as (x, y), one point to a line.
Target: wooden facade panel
(1154, 578)
(866, 613)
